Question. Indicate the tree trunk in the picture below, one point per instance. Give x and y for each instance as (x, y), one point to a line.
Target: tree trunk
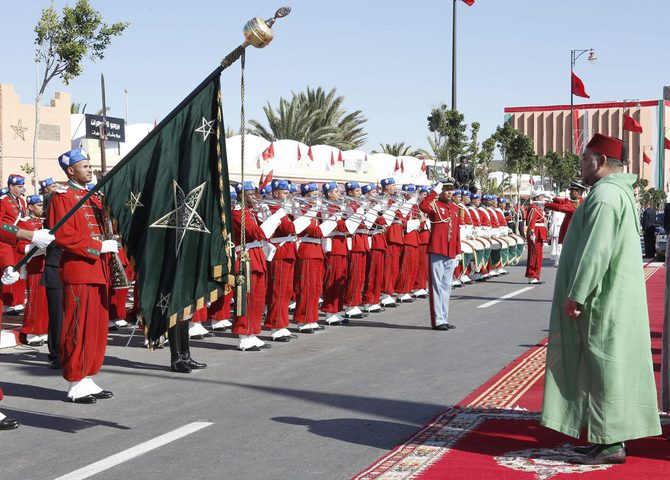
(35, 139)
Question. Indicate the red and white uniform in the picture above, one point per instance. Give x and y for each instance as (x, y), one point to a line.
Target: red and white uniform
(409, 263)
(250, 323)
(394, 243)
(421, 280)
(358, 255)
(566, 206)
(281, 271)
(309, 275)
(536, 235)
(86, 277)
(374, 270)
(36, 314)
(12, 209)
(335, 268)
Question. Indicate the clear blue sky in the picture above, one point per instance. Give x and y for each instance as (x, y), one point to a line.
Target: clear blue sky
(391, 59)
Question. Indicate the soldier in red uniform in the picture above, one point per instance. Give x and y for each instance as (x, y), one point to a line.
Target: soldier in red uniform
(445, 250)
(36, 315)
(421, 282)
(409, 220)
(281, 269)
(567, 206)
(85, 273)
(536, 235)
(393, 242)
(358, 255)
(309, 268)
(13, 209)
(334, 229)
(374, 268)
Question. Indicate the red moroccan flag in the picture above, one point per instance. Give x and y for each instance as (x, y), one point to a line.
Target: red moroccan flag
(469, 3)
(423, 166)
(578, 87)
(339, 157)
(264, 182)
(272, 151)
(632, 125)
(299, 154)
(646, 158)
(309, 154)
(332, 159)
(402, 166)
(397, 166)
(269, 152)
(666, 142)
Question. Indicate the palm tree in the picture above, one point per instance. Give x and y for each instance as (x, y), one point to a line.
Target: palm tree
(77, 108)
(313, 117)
(397, 149)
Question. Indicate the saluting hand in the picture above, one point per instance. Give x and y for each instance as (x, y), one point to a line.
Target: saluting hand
(572, 309)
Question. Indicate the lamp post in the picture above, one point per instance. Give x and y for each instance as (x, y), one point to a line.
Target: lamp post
(453, 61)
(574, 55)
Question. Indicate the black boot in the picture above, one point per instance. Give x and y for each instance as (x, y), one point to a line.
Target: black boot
(177, 362)
(186, 350)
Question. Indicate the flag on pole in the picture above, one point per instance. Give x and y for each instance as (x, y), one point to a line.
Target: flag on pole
(402, 166)
(397, 166)
(666, 143)
(469, 3)
(269, 152)
(299, 154)
(310, 154)
(339, 157)
(423, 166)
(332, 159)
(578, 87)
(170, 198)
(632, 125)
(264, 182)
(646, 158)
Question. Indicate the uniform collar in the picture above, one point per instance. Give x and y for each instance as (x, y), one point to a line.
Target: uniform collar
(75, 185)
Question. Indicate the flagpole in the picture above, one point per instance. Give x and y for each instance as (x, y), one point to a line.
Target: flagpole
(258, 37)
(453, 61)
(572, 103)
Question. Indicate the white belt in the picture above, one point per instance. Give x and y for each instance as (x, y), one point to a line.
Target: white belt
(310, 240)
(337, 234)
(540, 225)
(290, 238)
(249, 246)
(361, 230)
(375, 233)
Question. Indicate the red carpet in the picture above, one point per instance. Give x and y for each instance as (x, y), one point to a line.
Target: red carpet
(494, 432)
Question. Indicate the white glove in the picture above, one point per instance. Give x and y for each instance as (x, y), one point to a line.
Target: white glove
(438, 187)
(458, 257)
(9, 276)
(109, 246)
(41, 238)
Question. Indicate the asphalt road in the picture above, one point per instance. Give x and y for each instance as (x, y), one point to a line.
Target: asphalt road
(323, 406)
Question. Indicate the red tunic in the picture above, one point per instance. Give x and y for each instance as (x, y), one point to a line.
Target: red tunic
(445, 236)
(12, 209)
(566, 206)
(36, 314)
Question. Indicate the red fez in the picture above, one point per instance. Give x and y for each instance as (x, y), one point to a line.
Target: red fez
(604, 145)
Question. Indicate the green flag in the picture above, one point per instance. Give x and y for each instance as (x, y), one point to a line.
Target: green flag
(170, 197)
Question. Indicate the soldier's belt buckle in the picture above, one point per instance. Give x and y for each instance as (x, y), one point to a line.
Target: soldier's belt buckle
(98, 237)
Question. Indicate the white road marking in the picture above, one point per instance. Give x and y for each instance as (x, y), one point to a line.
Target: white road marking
(136, 451)
(509, 295)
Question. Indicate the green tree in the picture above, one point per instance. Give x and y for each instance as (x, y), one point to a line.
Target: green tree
(652, 196)
(562, 169)
(484, 158)
(449, 140)
(313, 117)
(396, 149)
(63, 42)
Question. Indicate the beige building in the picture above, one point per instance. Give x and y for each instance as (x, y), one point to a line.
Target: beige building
(550, 129)
(17, 127)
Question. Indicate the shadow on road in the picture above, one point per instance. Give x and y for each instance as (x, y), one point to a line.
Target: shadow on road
(60, 423)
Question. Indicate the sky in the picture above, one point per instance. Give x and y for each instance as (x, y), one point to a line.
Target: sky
(390, 59)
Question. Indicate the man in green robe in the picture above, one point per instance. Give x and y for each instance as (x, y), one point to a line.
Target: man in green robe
(599, 373)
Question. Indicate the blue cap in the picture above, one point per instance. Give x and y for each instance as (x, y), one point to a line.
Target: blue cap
(409, 188)
(367, 188)
(502, 200)
(308, 187)
(73, 156)
(351, 185)
(423, 189)
(458, 192)
(328, 186)
(387, 181)
(46, 182)
(34, 199)
(16, 180)
(4, 191)
(280, 185)
(247, 186)
(476, 195)
(265, 190)
(466, 193)
(233, 195)
(292, 188)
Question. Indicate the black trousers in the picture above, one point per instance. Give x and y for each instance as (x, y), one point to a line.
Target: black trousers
(55, 305)
(649, 241)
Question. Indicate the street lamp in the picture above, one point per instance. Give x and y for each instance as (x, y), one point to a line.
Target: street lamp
(574, 55)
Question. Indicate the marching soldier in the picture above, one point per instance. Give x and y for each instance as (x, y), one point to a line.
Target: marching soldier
(393, 242)
(374, 270)
(445, 251)
(336, 254)
(421, 282)
(12, 211)
(358, 254)
(409, 221)
(536, 235)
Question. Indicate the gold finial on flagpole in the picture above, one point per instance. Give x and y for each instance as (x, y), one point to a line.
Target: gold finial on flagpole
(258, 32)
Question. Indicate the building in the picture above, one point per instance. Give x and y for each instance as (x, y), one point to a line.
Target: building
(550, 129)
(17, 127)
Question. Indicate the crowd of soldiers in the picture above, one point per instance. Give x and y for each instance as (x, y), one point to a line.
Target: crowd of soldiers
(314, 251)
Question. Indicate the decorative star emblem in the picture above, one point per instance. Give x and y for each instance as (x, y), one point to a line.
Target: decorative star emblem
(19, 130)
(206, 128)
(164, 303)
(185, 216)
(134, 202)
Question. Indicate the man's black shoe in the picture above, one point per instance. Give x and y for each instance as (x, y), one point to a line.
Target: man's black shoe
(8, 424)
(450, 326)
(86, 399)
(104, 395)
(442, 326)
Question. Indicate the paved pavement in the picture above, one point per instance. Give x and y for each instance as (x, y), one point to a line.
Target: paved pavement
(322, 406)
